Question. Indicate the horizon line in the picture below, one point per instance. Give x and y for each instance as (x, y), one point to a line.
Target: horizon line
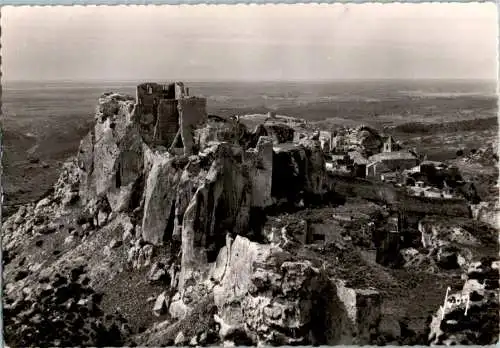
(89, 80)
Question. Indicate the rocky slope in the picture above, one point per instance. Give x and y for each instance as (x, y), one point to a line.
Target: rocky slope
(241, 240)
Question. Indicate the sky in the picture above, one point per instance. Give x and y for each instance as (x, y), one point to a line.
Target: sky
(250, 42)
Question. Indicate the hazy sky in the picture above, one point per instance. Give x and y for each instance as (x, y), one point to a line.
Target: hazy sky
(270, 42)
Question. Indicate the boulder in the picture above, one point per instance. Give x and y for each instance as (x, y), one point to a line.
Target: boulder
(244, 295)
(437, 232)
(160, 304)
(157, 272)
(353, 313)
(180, 339)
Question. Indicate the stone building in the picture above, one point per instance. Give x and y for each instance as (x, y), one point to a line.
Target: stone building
(168, 115)
(359, 164)
(192, 111)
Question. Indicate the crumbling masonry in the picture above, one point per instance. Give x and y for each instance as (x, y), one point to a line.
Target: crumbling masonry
(168, 115)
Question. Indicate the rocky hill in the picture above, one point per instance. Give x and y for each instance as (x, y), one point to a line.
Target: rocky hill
(175, 227)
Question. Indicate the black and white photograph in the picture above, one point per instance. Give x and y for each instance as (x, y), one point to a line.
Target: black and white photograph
(250, 175)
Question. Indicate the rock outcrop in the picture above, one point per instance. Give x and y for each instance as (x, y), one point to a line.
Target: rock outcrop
(116, 162)
(448, 244)
(488, 212)
(302, 175)
(111, 156)
(159, 199)
(276, 299)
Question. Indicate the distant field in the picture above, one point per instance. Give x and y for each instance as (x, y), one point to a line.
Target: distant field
(45, 121)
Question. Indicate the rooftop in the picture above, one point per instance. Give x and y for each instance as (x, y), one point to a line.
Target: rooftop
(401, 155)
(357, 157)
(433, 163)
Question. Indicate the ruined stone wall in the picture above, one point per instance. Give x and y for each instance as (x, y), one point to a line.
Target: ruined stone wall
(192, 111)
(149, 94)
(180, 91)
(167, 123)
(216, 132)
(145, 123)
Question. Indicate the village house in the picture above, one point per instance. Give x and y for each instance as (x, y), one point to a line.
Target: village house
(391, 177)
(338, 163)
(423, 190)
(434, 174)
(359, 163)
(347, 163)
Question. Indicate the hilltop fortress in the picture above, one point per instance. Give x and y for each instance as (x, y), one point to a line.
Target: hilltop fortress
(168, 115)
(202, 229)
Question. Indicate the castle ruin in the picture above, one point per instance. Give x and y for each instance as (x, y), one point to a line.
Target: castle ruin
(168, 115)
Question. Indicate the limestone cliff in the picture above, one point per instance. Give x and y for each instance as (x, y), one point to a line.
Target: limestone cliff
(124, 176)
(165, 204)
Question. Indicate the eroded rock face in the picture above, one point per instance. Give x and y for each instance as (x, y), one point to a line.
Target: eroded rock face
(355, 313)
(116, 163)
(192, 112)
(159, 199)
(280, 132)
(219, 206)
(218, 129)
(435, 233)
(245, 297)
(301, 171)
(129, 196)
(110, 158)
(316, 169)
(262, 290)
(261, 172)
(450, 243)
(488, 213)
